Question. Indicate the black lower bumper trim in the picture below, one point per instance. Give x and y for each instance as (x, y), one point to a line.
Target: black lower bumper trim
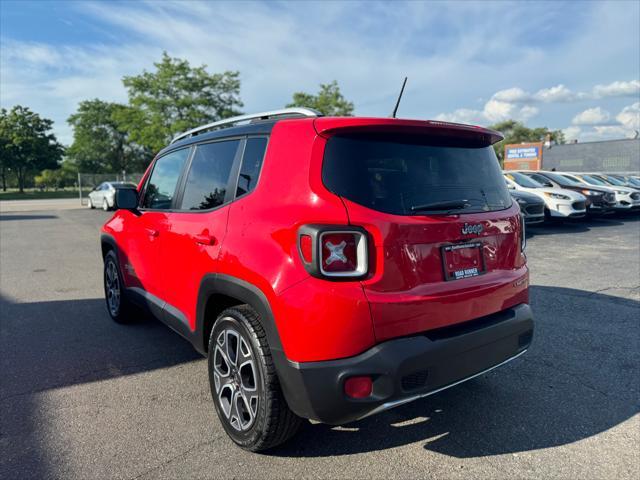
(315, 390)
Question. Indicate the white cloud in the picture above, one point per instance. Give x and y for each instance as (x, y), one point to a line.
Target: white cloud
(512, 95)
(591, 116)
(463, 115)
(606, 132)
(572, 133)
(629, 117)
(284, 47)
(596, 124)
(558, 94)
(618, 89)
(496, 111)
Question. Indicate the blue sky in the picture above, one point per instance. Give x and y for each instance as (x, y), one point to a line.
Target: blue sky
(572, 66)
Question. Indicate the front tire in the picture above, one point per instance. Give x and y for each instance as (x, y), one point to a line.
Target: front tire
(105, 205)
(90, 204)
(120, 309)
(244, 384)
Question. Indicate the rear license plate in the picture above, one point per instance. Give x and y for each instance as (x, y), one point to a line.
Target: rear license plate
(462, 260)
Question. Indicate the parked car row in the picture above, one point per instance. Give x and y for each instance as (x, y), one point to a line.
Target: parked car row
(571, 195)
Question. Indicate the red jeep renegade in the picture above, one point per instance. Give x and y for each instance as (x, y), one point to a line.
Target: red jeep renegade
(329, 268)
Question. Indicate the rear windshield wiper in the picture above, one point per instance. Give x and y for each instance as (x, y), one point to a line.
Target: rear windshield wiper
(438, 206)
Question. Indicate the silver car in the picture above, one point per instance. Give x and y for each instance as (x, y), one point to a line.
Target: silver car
(104, 194)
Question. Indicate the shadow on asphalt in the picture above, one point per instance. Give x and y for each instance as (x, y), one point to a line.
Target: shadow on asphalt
(578, 379)
(75, 341)
(4, 217)
(50, 345)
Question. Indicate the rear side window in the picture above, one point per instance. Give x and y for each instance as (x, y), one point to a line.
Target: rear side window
(208, 177)
(392, 174)
(161, 187)
(251, 164)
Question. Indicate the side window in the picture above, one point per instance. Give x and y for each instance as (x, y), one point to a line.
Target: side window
(164, 178)
(543, 180)
(251, 164)
(208, 175)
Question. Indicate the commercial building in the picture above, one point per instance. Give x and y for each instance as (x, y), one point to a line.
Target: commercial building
(612, 156)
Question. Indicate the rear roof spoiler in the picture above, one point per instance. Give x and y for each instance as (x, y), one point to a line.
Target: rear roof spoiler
(327, 126)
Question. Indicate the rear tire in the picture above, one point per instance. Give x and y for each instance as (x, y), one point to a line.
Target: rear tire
(244, 384)
(120, 309)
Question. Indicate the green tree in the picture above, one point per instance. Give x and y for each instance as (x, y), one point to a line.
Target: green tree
(65, 176)
(174, 98)
(516, 132)
(328, 101)
(27, 146)
(101, 143)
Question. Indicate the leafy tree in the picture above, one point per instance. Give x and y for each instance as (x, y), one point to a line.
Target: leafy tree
(27, 147)
(516, 132)
(328, 101)
(64, 176)
(101, 143)
(174, 98)
(4, 159)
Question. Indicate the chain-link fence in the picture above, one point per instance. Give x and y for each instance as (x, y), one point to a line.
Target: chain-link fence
(87, 182)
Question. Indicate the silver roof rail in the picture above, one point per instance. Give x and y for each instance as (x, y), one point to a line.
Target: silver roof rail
(285, 112)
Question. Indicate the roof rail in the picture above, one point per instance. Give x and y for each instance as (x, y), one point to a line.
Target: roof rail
(285, 112)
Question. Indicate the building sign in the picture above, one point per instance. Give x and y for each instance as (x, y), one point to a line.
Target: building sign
(523, 156)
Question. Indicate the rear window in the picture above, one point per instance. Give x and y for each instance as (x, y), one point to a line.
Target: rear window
(251, 164)
(394, 174)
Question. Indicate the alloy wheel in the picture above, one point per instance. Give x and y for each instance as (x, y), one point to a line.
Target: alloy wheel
(236, 379)
(112, 284)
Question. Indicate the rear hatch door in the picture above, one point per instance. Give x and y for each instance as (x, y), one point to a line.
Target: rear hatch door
(445, 232)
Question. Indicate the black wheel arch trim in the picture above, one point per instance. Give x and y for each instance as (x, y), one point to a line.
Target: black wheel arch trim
(108, 240)
(244, 292)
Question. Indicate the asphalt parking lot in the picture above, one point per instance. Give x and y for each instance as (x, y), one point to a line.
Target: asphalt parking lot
(82, 397)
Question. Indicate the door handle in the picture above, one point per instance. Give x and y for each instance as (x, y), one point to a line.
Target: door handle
(204, 239)
(152, 233)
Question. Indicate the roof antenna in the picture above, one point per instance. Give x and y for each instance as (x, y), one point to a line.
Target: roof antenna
(395, 110)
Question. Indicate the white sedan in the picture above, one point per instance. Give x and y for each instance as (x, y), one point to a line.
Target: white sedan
(559, 203)
(104, 195)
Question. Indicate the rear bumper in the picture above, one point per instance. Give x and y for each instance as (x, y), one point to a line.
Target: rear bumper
(406, 369)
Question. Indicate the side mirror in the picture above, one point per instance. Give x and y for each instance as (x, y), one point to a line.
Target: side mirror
(510, 186)
(126, 198)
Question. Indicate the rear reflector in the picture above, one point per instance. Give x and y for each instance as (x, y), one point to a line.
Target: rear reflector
(358, 387)
(306, 248)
